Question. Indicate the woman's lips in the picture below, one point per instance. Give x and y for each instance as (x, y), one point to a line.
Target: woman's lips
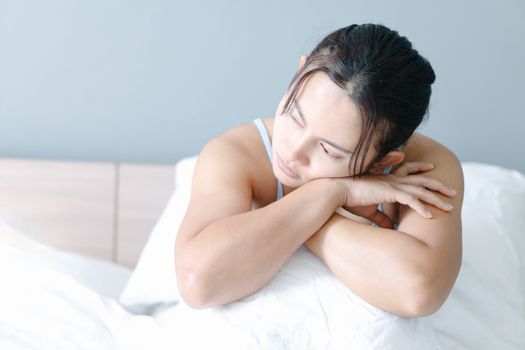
(285, 169)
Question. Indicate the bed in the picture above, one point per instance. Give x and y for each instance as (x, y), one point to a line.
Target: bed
(86, 253)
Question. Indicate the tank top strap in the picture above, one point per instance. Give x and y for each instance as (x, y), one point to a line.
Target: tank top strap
(387, 170)
(268, 146)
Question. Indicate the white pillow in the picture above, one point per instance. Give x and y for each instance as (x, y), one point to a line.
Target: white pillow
(305, 306)
(494, 218)
(153, 281)
(486, 307)
(13, 233)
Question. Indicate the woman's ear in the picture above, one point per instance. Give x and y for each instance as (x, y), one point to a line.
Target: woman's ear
(391, 158)
(302, 61)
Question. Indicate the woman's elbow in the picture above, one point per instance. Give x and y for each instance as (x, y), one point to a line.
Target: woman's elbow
(193, 297)
(426, 298)
(190, 277)
(422, 303)
(193, 290)
(191, 282)
(433, 284)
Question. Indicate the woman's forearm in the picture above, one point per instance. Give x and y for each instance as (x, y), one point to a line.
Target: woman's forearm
(384, 267)
(235, 256)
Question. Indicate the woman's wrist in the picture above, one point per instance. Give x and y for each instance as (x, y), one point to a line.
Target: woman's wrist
(335, 190)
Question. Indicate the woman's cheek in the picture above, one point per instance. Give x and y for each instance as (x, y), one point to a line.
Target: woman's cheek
(325, 169)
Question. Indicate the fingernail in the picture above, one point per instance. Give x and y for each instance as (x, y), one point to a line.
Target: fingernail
(453, 191)
(449, 206)
(428, 214)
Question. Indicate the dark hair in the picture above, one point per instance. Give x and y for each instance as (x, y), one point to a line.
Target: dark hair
(382, 74)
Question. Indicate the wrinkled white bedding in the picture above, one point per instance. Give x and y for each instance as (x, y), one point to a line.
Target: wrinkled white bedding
(44, 308)
(303, 307)
(56, 300)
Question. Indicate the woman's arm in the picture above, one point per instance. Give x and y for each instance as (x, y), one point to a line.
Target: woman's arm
(225, 251)
(408, 272)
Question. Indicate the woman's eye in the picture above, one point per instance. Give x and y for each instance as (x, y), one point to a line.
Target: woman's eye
(295, 119)
(324, 149)
(328, 153)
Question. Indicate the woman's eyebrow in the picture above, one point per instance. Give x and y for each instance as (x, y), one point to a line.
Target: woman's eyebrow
(300, 111)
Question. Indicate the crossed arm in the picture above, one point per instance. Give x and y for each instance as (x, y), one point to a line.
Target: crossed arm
(409, 271)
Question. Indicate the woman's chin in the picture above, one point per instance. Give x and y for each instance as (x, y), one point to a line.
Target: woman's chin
(287, 181)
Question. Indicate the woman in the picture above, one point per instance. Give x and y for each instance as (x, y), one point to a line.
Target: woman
(342, 137)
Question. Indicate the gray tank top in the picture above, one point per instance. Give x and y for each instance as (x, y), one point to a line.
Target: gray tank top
(268, 147)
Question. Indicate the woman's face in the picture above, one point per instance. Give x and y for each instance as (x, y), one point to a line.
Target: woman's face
(318, 134)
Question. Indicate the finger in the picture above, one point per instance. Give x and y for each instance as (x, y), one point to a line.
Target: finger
(380, 219)
(427, 196)
(411, 201)
(416, 167)
(424, 167)
(430, 183)
(413, 167)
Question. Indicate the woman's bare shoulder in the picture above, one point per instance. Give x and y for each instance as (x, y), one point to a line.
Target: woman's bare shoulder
(222, 182)
(238, 156)
(447, 166)
(422, 148)
(239, 141)
(239, 147)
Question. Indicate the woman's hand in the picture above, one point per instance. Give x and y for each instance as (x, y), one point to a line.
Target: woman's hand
(405, 185)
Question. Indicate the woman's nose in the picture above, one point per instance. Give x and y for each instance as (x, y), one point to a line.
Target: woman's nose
(298, 153)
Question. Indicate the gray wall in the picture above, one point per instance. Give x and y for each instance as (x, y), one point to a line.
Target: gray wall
(153, 80)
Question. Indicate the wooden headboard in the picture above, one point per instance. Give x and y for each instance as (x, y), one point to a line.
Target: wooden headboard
(99, 209)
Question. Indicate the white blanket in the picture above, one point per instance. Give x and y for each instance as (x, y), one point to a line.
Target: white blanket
(44, 308)
(304, 307)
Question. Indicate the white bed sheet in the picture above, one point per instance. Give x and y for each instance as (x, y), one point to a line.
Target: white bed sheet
(43, 306)
(48, 308)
